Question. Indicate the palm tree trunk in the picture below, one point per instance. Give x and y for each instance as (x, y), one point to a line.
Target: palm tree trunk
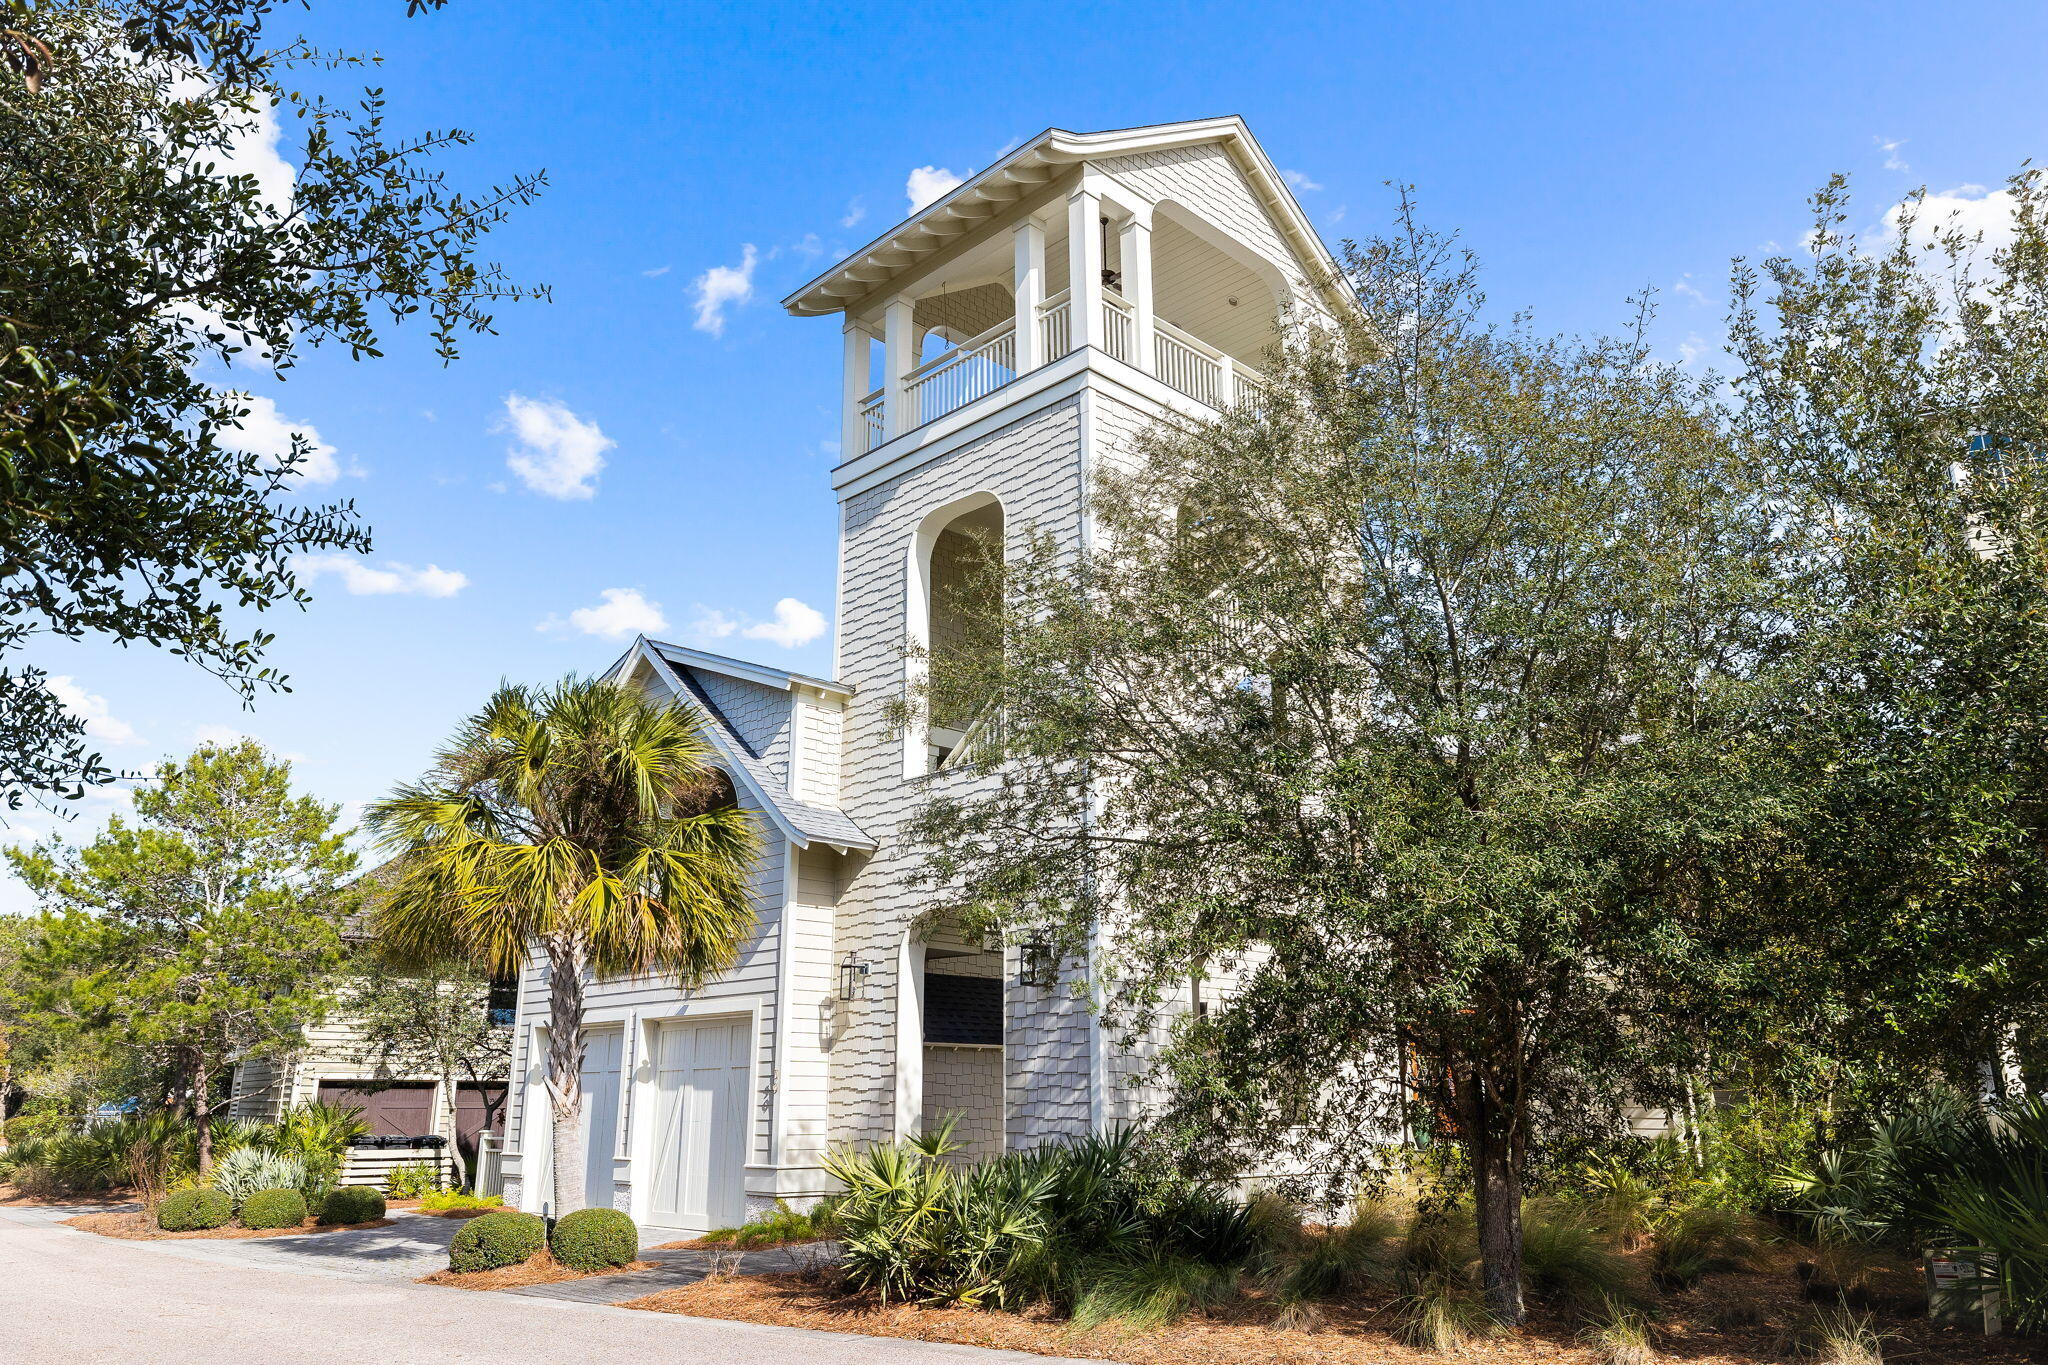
(565, 1068)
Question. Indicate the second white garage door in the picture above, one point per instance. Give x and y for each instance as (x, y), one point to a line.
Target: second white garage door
(701, 1073)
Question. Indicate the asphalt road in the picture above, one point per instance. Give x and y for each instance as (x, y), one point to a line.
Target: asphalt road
(70, 1298)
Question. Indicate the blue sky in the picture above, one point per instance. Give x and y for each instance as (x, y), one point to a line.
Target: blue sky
(1585, 152)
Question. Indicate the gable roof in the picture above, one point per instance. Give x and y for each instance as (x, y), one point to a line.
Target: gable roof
(801, 822)
(899, 251)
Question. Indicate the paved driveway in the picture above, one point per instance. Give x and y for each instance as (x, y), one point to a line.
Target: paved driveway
(75, 1298)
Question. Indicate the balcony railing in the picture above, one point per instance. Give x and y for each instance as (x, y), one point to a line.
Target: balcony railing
(1055, 333)
(1119, 326)
(971, 370)
(873, 429)
(1200, 371)
(982, 364)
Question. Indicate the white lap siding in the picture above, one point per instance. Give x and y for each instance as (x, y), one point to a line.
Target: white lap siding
(638, 1004)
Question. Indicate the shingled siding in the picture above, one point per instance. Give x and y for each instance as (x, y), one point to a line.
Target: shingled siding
(1206, 181)
(758, 715)
(1034, 467)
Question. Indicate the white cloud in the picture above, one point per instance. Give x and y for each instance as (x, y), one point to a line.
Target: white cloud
(559, 453)
(1692, 348)
(267, 432)
(252, 137)
(1337, 214)
(366, 580)
(810, 247)
(929, 184)
(1685, 288)
(711, 624)
(657, 272)
(623, 613)
(794, 624)
(724, 286)
(91, 708)
(1890, 147)
(1299, 180)
(1971, 209)
(855, 211)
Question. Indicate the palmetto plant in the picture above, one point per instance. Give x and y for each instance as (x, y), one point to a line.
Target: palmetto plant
(250, 1170)
(582, 822)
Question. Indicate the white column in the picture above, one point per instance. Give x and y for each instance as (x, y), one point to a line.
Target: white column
(853, 436)
(909, 1037)
(1084, 268)
(899, 351)
(1029, 237)
(1134, 242)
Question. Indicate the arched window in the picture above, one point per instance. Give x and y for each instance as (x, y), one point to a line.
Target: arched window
(956, 627)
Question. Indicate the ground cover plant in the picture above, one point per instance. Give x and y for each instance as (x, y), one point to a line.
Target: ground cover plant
(780, 1226)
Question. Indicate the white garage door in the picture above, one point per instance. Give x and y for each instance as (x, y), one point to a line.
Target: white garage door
(701, 1073)
(600, 1077)
(602, 1048)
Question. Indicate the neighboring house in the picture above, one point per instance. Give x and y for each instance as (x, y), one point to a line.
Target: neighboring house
(329, 1068)
(1001, 344)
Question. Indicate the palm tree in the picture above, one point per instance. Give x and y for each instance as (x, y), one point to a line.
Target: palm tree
(583, 822)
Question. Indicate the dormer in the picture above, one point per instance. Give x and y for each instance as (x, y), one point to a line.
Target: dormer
(1173, 253)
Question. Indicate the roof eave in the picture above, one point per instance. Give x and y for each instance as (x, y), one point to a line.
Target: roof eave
(858, 274)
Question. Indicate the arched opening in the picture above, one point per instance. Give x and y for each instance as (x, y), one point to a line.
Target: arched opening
(957, 621)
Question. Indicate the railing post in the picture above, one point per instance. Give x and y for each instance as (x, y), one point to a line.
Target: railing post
(853, 432)
(1030, 290)
(1226, 384)
(899, 358)
(1135, 244)
(1084, 269)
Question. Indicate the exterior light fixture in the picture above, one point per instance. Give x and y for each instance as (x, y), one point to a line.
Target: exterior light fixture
(851, 973)
(1037, 965)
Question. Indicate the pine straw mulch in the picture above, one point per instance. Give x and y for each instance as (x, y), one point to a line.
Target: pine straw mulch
(139, 1226)
(1733, 1319)
(539, 1268)
(12, 1197)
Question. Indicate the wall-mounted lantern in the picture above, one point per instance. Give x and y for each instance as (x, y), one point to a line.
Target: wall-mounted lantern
(1037, 965)
(852, 972)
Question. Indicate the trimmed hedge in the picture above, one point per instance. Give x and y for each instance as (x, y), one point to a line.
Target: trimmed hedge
(595, 1239)
(194, 1211)
(352, 1204)
(496, 1240)
(274, 1209)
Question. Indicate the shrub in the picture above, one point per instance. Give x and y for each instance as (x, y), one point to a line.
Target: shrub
(496, 1240)
(194, 1210)
(1030, 1227)
(246, 1170)
(281, 1208)
(352, 1204)
(413, 1180)
(594, 1239)
(137, 1150)
(24, 1127)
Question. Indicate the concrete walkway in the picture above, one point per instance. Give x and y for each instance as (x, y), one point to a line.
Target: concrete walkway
(72, 1297)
